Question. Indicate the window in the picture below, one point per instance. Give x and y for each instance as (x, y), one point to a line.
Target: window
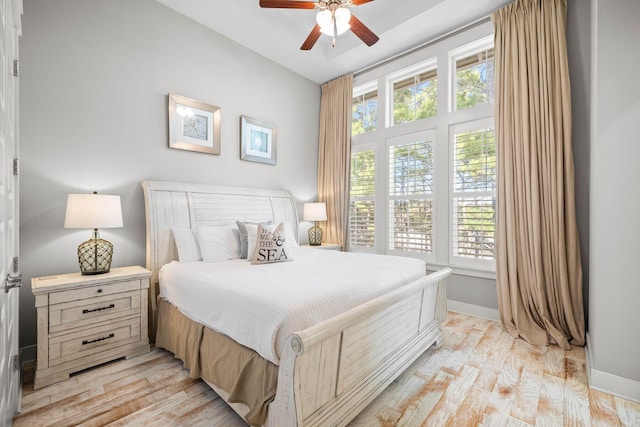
(362, 205)
(423, 179)
(410, 196)
(364, 109)
(474, 193)
(474, 72)
(415, 96)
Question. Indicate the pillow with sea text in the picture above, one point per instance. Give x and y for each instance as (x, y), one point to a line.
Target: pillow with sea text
(271, 245)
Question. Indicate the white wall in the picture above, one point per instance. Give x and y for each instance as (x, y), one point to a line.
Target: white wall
(579, 55)
(93, 109)
(614, 294)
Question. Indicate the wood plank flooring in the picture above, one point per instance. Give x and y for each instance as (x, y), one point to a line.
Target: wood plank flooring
(480, 376)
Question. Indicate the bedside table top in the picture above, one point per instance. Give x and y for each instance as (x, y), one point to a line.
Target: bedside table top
(47, 283)
(327, 246)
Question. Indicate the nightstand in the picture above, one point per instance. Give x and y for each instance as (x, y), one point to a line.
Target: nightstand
(84, 321)
(325, 246)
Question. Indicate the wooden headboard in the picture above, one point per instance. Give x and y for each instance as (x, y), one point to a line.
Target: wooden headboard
(185, 205)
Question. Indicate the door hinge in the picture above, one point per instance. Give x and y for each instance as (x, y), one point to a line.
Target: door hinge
(16, 67)
(16, 362)
(16, 167)
(15, 264)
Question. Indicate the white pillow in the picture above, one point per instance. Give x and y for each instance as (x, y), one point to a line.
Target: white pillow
(187, 245)
(219, 243)
(271, 246)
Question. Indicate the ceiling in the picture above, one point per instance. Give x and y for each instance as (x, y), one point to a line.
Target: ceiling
(278, 33)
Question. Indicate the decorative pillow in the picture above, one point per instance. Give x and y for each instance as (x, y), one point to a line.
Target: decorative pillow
(291, 239)
(252, 237)
(219, 243)
(187, 245)
(271, 246)
(242, 228)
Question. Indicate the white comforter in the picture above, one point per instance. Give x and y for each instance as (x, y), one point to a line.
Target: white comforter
(259, 306)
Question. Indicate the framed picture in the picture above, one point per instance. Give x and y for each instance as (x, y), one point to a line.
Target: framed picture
(257, 141)
(193, 125)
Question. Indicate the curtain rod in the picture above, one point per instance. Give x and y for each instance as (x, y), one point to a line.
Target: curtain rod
(439, 38)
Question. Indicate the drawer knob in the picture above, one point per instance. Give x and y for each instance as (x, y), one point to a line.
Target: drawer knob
(99, 291)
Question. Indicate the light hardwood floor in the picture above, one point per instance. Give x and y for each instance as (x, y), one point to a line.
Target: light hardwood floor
(479, 376)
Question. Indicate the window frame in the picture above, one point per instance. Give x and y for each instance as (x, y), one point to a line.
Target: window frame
(442, 51)
(391, 79)
(364, 89)
(460, 52)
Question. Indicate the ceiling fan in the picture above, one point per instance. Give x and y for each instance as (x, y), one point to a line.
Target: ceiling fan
(333, 18)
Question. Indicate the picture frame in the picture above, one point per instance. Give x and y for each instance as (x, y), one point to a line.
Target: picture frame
(258, 140)
(193, 125)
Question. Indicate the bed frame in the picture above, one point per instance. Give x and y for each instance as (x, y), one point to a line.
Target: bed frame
(331, 371)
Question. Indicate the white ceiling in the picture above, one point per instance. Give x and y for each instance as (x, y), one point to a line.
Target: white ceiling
(278, 33)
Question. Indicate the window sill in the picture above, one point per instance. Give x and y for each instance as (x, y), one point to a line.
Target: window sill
(464, 271)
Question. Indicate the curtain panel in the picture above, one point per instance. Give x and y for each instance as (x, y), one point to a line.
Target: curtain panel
(334, 157)
(539, 273)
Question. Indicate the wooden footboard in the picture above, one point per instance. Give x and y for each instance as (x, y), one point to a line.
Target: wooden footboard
(333, 370)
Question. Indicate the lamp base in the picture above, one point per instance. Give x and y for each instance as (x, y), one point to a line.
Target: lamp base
(315, 235)
(94, 256)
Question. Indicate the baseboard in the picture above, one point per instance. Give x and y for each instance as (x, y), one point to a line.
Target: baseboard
(610, 383)
(474, 310)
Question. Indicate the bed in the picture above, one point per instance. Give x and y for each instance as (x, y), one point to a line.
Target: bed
(322, 374)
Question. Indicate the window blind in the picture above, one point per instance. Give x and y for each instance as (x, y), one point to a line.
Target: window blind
(474, 197)
(362, 204)
(410, 196)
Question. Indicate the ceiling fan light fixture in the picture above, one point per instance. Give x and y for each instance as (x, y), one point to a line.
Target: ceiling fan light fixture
(343, 16)
(325, 20)
(334, 23)
(333, 18)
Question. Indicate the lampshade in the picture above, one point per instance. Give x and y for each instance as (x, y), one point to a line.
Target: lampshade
(93, 211)
(325, 20)
(343, 16)
(315, 212)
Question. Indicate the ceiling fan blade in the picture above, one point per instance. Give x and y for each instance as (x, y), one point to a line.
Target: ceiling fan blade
(362, 31)
(312, 38)
(288, 4)
(359, 2)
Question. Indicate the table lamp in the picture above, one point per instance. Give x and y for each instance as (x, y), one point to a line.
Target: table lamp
(94, 211)
(315, 212)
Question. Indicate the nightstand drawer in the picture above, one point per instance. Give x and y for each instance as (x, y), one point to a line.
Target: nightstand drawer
(93, 291)
(85, 312)
(88, 342)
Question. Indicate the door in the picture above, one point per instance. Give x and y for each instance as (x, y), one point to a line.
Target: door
(10, 387)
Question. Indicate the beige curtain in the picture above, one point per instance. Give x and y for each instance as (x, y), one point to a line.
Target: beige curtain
(539, 273)
(334, 157)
